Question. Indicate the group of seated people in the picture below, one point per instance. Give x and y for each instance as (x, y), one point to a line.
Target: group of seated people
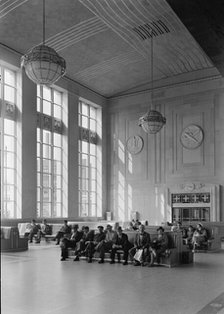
(86, 242)
(38, 231)
(193, 237)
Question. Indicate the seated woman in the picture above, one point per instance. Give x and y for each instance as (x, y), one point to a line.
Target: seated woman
(199, 236)
(160, 244)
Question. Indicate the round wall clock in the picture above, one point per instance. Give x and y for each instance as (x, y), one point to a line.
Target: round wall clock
(191, 137)
(134, 144)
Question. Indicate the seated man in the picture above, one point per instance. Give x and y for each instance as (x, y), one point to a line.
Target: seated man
(70, 240)
(44, 230)
(34, 228)
(142, 241)
(199, 236)
(160, 244)
(65, 229)
(93, 246)
(188, 239)
(88, 235)
(106, 245)
(121, 243)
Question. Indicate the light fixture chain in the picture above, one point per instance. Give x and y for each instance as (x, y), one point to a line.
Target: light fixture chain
(43, 22)
(151, 70)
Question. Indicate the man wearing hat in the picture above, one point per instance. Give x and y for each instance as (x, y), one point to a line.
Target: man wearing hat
(95, 245)
(70, 240)
(121, 243)
(160, 244)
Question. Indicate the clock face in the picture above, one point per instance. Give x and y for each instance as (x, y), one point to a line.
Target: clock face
(191, 136)
(134, 144)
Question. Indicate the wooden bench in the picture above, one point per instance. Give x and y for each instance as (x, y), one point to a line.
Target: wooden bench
(11, 241)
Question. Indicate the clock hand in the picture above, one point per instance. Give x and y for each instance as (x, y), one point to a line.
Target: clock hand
(188, 135)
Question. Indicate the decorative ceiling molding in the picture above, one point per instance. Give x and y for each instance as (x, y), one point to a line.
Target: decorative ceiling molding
(76, 33)
(108, 66)
(9, 6)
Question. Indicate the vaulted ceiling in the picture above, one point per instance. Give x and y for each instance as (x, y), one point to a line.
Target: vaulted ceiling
(107, 43)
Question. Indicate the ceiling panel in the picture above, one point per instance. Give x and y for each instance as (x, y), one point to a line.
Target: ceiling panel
(106, 43)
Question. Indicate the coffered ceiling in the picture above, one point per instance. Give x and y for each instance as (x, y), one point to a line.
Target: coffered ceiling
(106, 43)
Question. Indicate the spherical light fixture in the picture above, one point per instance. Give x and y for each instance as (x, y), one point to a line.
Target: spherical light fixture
(152, 121)
(43, 65)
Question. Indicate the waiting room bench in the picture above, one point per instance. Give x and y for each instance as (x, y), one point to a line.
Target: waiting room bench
(11, 241)
(177, 253)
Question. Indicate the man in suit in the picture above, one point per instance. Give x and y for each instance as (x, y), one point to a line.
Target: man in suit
(65, 229)
(96, 244)
(121, 243)
(44, 230)
(106, 245)
(70, 240)
(88, 235)
(34, 228)
(160, 244)
(142, 241)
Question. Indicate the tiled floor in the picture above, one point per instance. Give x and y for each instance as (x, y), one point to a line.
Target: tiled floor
(36, 281)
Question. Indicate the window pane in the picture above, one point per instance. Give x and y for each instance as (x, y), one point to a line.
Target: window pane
(92, 211)
(38, 134)
(85, 147)
(9, 127)
(9, 192)
(9, 94)
(92, 186)
(10, 78)
(93, 161)
(9, 160)
(46, 137)
(57, 112)
(85, 122)
(8, 210)
(46, 195)
(9, 176)
(92, 149)
(38, 179)
(84, 184)
(57, 182)
(57, 139)
(9, 143)
(92, 125)
(84, 159)
(84, 172)
(46, 166)
(57, 153)
(46, 151)
(85, 110)
(57, 167)
(93, 112)
(46, 93)
(93, 173)
(57, 196)
(46, 107)
(38, 194)
(38, 104)
(46, 180)
(57, 212)
(46, 209)
(57, 97)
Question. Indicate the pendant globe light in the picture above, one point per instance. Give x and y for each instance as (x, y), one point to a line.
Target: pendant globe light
(42, 64)
(153, 121)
